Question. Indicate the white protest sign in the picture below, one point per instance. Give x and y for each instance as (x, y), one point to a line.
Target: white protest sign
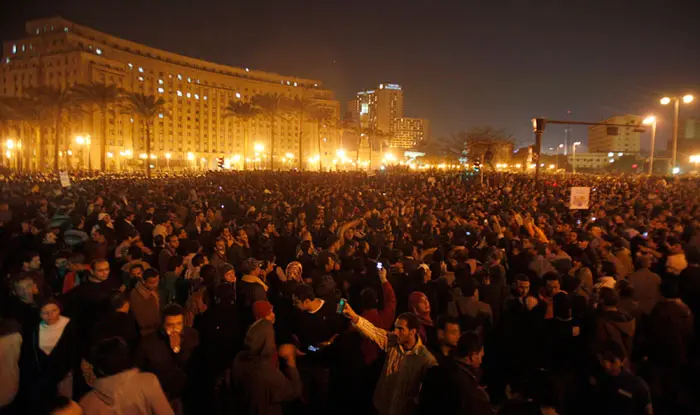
(580, 197)
(65, 180)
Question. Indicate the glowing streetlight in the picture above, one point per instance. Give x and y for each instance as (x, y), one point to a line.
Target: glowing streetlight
(340, 153)
(258, 147)
(578, 143)
(85, 141)
(651, 120)
(168, 156)
(153, 156)
(110, 154)
(143, 156)
(10, 144)
(687, 99)
(289, 155)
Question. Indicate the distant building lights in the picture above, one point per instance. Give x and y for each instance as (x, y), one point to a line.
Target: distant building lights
(179, 93)
(140, 69)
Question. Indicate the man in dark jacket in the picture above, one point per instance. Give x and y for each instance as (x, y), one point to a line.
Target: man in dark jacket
(259, 386)
(669, 343)
(611, 324)
(453, 388)
(646, 285)
(169, 353)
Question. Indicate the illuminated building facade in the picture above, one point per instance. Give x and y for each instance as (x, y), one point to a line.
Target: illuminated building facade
(409, 131)
(603, 139)
(193, 128)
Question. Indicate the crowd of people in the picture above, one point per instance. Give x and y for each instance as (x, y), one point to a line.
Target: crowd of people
(395, 294)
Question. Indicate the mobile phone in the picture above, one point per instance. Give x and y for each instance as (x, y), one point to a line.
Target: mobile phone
(646, 234)
(222, 206)
(486, 221)
(593, 219)
(312, 348)
(469, 234)
(578, 222)
(380, 265)
(341, 306)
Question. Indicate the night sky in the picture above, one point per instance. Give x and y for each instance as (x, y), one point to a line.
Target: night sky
(461, 63)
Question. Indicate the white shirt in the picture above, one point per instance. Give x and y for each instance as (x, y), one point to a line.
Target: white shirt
(50, 335)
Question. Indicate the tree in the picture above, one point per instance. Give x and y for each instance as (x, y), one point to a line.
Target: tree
(26, 112)
(54, 104)
(146, 108)
(320, 115)
(375, 136)
(244, 111)
(303, 107)
(102, 96)
(271, 105)
(484, 141)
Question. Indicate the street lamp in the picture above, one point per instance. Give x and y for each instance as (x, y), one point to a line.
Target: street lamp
(651, 120)
(578, 143)
(560, 146)
(687, 99)
(85, 141)
(167, 159)
(258, 148)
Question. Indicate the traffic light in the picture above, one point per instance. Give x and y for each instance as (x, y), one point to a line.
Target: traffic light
(477, 165)
(220, 162)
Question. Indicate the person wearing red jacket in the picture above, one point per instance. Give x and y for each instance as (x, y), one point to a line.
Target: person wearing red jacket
(383, 318)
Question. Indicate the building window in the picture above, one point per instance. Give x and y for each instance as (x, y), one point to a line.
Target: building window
(161, 90)
(140, 69)
(160, 82)
(179, 93)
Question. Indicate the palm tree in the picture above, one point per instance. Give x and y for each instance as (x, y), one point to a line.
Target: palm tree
(146, 108)
(352, 126)
(320, 115)
(374, 136)
(26, 112)
(244, 111)
(102, 96)
(303, 107)
(271, 105)
(54, 102)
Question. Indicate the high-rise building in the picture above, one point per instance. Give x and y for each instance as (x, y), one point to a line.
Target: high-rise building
(193, 127)
(409, 131)
(604, 139)
(377, 109)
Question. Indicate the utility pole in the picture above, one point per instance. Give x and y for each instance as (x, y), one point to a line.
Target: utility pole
(538, 125)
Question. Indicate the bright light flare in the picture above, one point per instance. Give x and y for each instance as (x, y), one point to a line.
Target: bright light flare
(688, 99)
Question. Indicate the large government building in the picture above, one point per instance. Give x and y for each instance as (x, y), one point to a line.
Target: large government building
(193, 129)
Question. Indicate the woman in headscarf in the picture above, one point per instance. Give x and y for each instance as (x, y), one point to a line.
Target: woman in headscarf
(419, 304)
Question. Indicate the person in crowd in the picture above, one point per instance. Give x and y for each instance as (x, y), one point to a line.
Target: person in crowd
(170, 354)
(146, 302)
(617, 389)
(120, 387)
(669, 339)
(49, 358)
(430, 235)
(10, 346)
(252, 286)
(611, 324)
(382, 319)
(119, 322)
(448, 332)
(22, 305)
(406, 363)
(260, 387)
(646, 285)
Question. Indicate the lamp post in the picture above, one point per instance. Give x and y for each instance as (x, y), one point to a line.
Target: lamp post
(578, 143)
(560, 146)
(687, 99)
(85, 141)
(651, 120)
(167, 159)
(259, 148)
